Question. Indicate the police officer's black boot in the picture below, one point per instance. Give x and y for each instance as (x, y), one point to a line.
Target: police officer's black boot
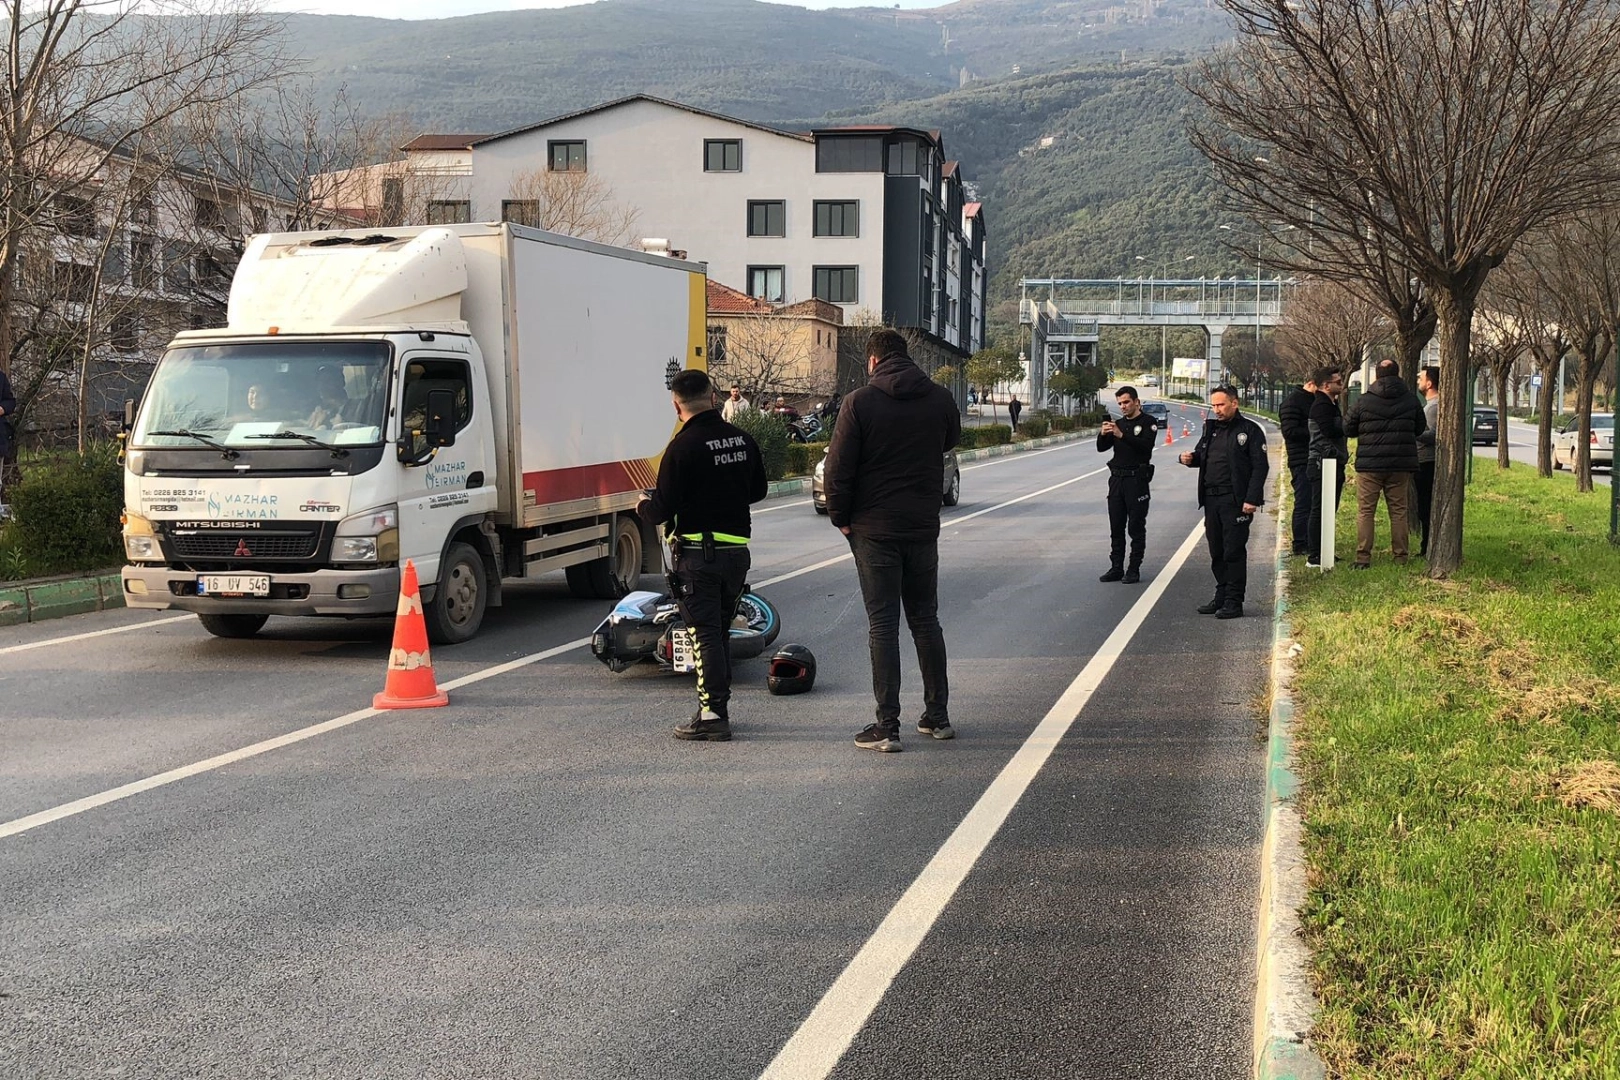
(1114, 574)
(1232, 609)
(1214, 605)
(1133, 573)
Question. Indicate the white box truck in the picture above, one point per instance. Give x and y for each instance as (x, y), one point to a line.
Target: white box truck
(486, 400)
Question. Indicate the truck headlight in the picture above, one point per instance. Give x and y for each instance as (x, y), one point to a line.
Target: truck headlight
(369, 537)
(140, 544)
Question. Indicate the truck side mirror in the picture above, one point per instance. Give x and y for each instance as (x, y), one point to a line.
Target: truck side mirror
(129, 413)
(440, 426)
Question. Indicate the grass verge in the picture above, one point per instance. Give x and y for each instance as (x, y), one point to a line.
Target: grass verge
(1458, 743)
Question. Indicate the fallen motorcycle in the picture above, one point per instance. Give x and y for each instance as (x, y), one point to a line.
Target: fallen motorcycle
(647, 626)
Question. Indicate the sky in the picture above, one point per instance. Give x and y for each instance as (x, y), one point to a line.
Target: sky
(444, 9)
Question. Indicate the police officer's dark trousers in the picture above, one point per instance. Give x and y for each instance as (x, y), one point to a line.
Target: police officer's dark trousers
(1127, 509)
(1226, 530)
(711, 583)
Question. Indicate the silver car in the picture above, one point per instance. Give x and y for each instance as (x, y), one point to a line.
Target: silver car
(950, 493)
(1563, 442)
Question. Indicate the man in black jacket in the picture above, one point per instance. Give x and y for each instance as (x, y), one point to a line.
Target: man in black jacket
(1294, 418)
(1327, 443)
(1232, 466)
(885, 478)
(710, 473)
(1130, 471)
(1387, 420)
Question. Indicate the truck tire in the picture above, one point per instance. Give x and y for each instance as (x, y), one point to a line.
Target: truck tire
(233, 626)
(611, 577)
(457, 608)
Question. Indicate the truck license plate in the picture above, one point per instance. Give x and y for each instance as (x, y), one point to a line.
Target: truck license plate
(683, 654)
(233, 585)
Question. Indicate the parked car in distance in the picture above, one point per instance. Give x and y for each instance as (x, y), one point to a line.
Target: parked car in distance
(1485, 432)
(1602, 445)
(950, 484)
(1150, 380)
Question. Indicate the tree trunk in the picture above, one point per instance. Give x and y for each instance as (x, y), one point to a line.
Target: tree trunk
(1454, 437)
(1502, 460)
(1548, 370)
(1584, 387)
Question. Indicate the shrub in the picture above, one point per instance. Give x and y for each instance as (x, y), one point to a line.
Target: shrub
(802, 457)
(772, 435)
(67, 513)
(1035, 428)
(1063, 423)
(969, 439)
(1092, 418)
(994, 435)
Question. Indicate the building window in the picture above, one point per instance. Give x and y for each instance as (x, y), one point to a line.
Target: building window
(849, 153)
(903, 158)
(567, 156)
(837, 284)
(125, 332)
(261, 219)
(176, 266)
(141, 210)
(520, 211)
(765, 283)
(206, 213)
(449, 212)
(75, 216)
(143, 262)
(838, 218)
(207, 270)
(717, 347)
(198, 319)
(75, 281)
(767, 218)
(393, 199)
(722, 155)
(115, 262)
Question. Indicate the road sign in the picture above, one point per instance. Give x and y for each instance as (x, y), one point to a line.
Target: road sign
(1535, 382)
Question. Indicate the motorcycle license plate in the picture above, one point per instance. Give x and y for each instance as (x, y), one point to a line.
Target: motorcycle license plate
(233, 585)
(683, 650)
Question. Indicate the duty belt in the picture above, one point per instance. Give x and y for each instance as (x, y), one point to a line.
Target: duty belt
(720, 538)
(1218, 491)
(1130, 470)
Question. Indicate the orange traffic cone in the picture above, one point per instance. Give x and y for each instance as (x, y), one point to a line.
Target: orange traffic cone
(1168, 437)
(1186, 429)
(410, 682)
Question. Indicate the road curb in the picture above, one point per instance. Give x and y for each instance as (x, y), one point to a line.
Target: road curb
(26, 602)
(1284, 1005)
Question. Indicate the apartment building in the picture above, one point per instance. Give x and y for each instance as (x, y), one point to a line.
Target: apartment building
(870, 218)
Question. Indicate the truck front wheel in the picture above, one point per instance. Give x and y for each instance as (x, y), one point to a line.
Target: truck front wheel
(233, 626)
(457, 608)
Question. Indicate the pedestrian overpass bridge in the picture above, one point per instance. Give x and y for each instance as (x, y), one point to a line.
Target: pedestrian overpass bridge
(1066, 315)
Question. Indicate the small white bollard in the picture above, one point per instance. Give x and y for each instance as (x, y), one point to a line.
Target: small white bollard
(1330, 510)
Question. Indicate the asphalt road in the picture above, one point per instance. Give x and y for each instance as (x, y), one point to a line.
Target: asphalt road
(1521, 439)
(537, 881)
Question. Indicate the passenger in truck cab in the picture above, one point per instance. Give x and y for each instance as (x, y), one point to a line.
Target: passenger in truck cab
(334, 399)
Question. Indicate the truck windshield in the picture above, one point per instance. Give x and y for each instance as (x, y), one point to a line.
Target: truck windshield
(237, 393)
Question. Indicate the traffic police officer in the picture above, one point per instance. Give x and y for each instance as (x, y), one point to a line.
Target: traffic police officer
(710, 473)
(1130, 471)
(1231, 461)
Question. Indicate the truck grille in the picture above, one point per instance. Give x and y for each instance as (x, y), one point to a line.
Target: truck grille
(246, 546)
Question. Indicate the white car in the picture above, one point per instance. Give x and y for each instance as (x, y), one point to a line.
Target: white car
(1563, 443)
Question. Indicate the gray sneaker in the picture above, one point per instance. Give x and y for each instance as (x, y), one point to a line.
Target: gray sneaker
(940, 730)
(879, 738)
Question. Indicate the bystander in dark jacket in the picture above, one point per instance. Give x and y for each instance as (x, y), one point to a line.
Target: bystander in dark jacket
(1294, 418)
(1386, 421)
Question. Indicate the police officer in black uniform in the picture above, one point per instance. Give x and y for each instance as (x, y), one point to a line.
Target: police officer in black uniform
(710, 473)
(1130, 471)
(1231, 461)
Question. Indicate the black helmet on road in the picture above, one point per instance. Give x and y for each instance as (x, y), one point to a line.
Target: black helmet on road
(793, 670)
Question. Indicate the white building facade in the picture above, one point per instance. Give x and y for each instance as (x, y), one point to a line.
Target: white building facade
(870, 218)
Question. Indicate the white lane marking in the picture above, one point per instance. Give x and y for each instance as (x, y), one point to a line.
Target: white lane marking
(91, 634)
(784, 506)
(1022, 498)
(90, 802)
(819, 1043)
(219, 761)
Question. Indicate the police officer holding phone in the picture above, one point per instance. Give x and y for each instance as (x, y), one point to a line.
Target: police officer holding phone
(1130, 471)
(710, 473)
(1231, 461)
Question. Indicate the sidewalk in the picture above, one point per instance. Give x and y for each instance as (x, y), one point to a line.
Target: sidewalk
(52, 598)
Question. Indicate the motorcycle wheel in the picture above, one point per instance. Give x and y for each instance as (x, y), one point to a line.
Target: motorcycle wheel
(763, 625)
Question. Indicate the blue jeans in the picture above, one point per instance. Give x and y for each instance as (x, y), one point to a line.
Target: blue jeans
(901, 575)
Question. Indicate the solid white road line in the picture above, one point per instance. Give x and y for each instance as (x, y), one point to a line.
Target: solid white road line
(815, 1049)
(90, 802)
(91, 634)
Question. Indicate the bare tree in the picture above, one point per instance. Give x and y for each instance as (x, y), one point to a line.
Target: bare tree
(1328, 322)
(1499, 341)
(1433, 132)
(578, 204)
(768, 353)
